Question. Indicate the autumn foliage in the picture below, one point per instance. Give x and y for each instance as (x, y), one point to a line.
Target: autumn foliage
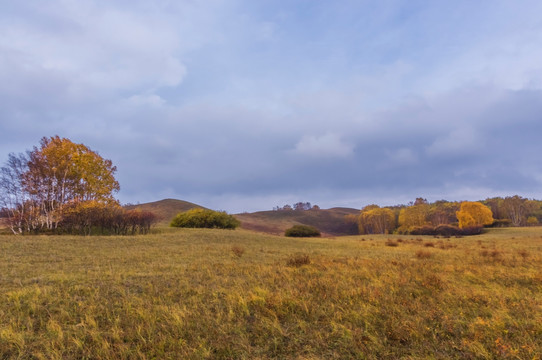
(473, 213)
(62, 187)
(376, 220)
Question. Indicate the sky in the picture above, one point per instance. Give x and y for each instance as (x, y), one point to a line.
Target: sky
(243, 105)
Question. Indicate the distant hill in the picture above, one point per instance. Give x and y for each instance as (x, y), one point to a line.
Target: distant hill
(165, 209)
(330, 222)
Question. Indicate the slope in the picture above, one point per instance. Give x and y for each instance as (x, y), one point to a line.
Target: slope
(165, 209)
(330, 222)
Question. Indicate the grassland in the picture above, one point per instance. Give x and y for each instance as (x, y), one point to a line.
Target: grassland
(235, 294)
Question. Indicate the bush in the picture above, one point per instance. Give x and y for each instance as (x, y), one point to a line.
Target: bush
(92, 217)
(501, 223)
(302, 231)
(446, 230)
(203, 218)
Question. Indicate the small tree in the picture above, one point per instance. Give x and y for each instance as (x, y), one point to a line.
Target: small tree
(532, 221)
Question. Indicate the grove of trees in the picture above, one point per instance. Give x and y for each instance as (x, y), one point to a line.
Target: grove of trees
(61, 186)
(450, 218)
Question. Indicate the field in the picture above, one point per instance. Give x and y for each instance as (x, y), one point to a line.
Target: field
(218, 294)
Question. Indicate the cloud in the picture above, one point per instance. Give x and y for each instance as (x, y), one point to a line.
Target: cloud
(235, 103)
(461, 141)
(404, 156)
(326, 146)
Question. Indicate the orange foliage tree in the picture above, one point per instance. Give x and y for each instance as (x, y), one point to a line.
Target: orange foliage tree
(473, 213)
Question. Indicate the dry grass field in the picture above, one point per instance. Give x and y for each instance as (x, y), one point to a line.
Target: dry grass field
(199, 294)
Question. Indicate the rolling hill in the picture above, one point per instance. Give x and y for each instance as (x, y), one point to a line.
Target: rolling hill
(330, 222)
(165, 209)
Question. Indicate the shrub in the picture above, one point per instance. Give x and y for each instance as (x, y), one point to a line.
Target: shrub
(93, 217)
(501, 223)
(203, 218)
(446, 230)
(302, 231)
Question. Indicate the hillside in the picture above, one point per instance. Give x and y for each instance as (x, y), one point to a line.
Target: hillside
(165, 209)
(330, 222)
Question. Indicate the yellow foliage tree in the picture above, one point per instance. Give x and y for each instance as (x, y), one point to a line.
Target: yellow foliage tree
(473, 213)
(376, 220)
(413, 216)
(45, 180)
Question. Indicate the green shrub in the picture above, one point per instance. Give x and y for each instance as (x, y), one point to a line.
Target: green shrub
(302, 231)
(203, 218)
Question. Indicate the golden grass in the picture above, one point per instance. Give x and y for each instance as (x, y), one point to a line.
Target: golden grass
(234, 294)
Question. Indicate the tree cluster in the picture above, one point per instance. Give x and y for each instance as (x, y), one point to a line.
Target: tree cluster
(421, 217)
(515, 210)
(62, 187)
(299, 206)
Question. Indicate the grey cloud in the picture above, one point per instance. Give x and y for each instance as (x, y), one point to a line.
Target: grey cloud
(189, 103)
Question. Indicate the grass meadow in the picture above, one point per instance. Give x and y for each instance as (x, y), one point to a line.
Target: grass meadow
(196, 294)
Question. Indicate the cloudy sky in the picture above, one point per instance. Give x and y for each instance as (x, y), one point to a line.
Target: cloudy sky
(242, 105)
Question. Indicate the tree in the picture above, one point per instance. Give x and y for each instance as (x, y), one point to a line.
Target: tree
(13, 196)
(376, 220)
(474, 214)
(414, 216)
(301, 206)
(518, 208)
(38, 185)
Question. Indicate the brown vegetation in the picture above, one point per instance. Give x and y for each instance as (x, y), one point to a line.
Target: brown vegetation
(186, 294)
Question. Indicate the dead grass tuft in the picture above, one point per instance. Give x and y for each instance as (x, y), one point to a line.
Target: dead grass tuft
(424, 254)
(298, 260)
(237, 250)
(391, 243)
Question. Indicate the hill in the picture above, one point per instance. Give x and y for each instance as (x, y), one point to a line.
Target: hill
(165, 209)
(330, 222)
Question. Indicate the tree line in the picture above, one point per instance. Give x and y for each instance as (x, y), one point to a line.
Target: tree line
(299, 206)
(449, 218)
(64, 187)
